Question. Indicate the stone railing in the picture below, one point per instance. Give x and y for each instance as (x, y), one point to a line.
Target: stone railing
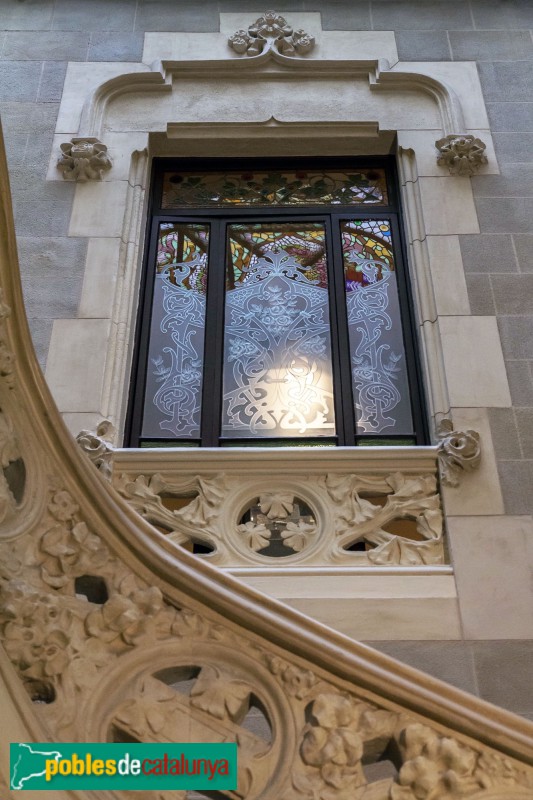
(297, 507)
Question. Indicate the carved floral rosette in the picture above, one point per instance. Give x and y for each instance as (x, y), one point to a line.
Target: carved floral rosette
(459, 452)
(83, 159)
(97, 446)
(271, 32)
(462, 154)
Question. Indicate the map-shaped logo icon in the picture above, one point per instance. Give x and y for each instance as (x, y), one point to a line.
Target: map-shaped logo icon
(29, 762)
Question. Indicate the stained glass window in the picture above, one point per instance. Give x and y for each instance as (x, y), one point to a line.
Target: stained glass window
(274, 188)
(176, 351)
(278, 378)
(377, 353)
(275, 310)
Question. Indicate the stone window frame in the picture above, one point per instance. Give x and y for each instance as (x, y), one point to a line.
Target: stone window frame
(437, 206)
(389, 209)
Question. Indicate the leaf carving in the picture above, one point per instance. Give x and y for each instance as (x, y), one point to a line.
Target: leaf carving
(219, 696)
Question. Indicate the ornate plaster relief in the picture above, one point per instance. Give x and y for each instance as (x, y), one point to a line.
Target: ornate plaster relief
(316, 519)
(344, 510)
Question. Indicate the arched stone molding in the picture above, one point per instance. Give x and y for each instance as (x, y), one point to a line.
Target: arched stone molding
(165, 75)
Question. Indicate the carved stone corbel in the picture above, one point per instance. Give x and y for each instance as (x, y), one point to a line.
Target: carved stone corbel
(97, 446)
(83, 159)
(271, 32)
(459, 451)
(463, 154)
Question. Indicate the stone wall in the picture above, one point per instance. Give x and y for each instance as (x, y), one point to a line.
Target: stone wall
(41, 36)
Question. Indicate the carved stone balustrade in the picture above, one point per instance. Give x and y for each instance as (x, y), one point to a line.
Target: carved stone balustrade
(300, 507)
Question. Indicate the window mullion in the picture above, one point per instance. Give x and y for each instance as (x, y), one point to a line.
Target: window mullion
(410, 335)
(135, 420)
(344, 408)
(214, 336)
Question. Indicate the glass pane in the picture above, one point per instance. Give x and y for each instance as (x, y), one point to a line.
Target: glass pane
(277, 349)
(377, 352)
(175, 354)
(298, 188)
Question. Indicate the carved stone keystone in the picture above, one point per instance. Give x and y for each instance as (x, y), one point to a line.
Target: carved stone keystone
(459, 451)
(268, 32)
(83, 159)
(462, 154)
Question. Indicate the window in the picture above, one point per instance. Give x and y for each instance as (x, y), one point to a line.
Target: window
(275, 309)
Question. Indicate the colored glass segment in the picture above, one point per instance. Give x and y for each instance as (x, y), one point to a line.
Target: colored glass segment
(277, 379)
(377, 352)
(172, 400)
(284, 188)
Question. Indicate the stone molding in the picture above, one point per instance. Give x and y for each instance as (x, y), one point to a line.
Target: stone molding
(271, 33)
(160, 77)
(422, 282)
(83, 159)
(100, 617)
(463, 154)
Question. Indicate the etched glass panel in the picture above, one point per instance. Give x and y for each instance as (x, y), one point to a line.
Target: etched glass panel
(291, 188)
(377, 352)
(277, 349)
(175, 355)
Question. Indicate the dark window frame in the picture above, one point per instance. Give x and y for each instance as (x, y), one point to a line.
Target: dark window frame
(218, 219)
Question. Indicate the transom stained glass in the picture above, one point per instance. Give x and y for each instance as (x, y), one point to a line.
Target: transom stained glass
(286, 188)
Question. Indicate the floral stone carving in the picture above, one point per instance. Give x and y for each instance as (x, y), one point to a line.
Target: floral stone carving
(459, 452)
(364, 511)
(83, 159)
(279, 524)
(271, 32)
(463, 155)
(367, 519)
(132, 663)
(97, 446)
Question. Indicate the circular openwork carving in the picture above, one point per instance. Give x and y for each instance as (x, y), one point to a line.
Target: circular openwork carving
(277, 525)
(200, 691)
